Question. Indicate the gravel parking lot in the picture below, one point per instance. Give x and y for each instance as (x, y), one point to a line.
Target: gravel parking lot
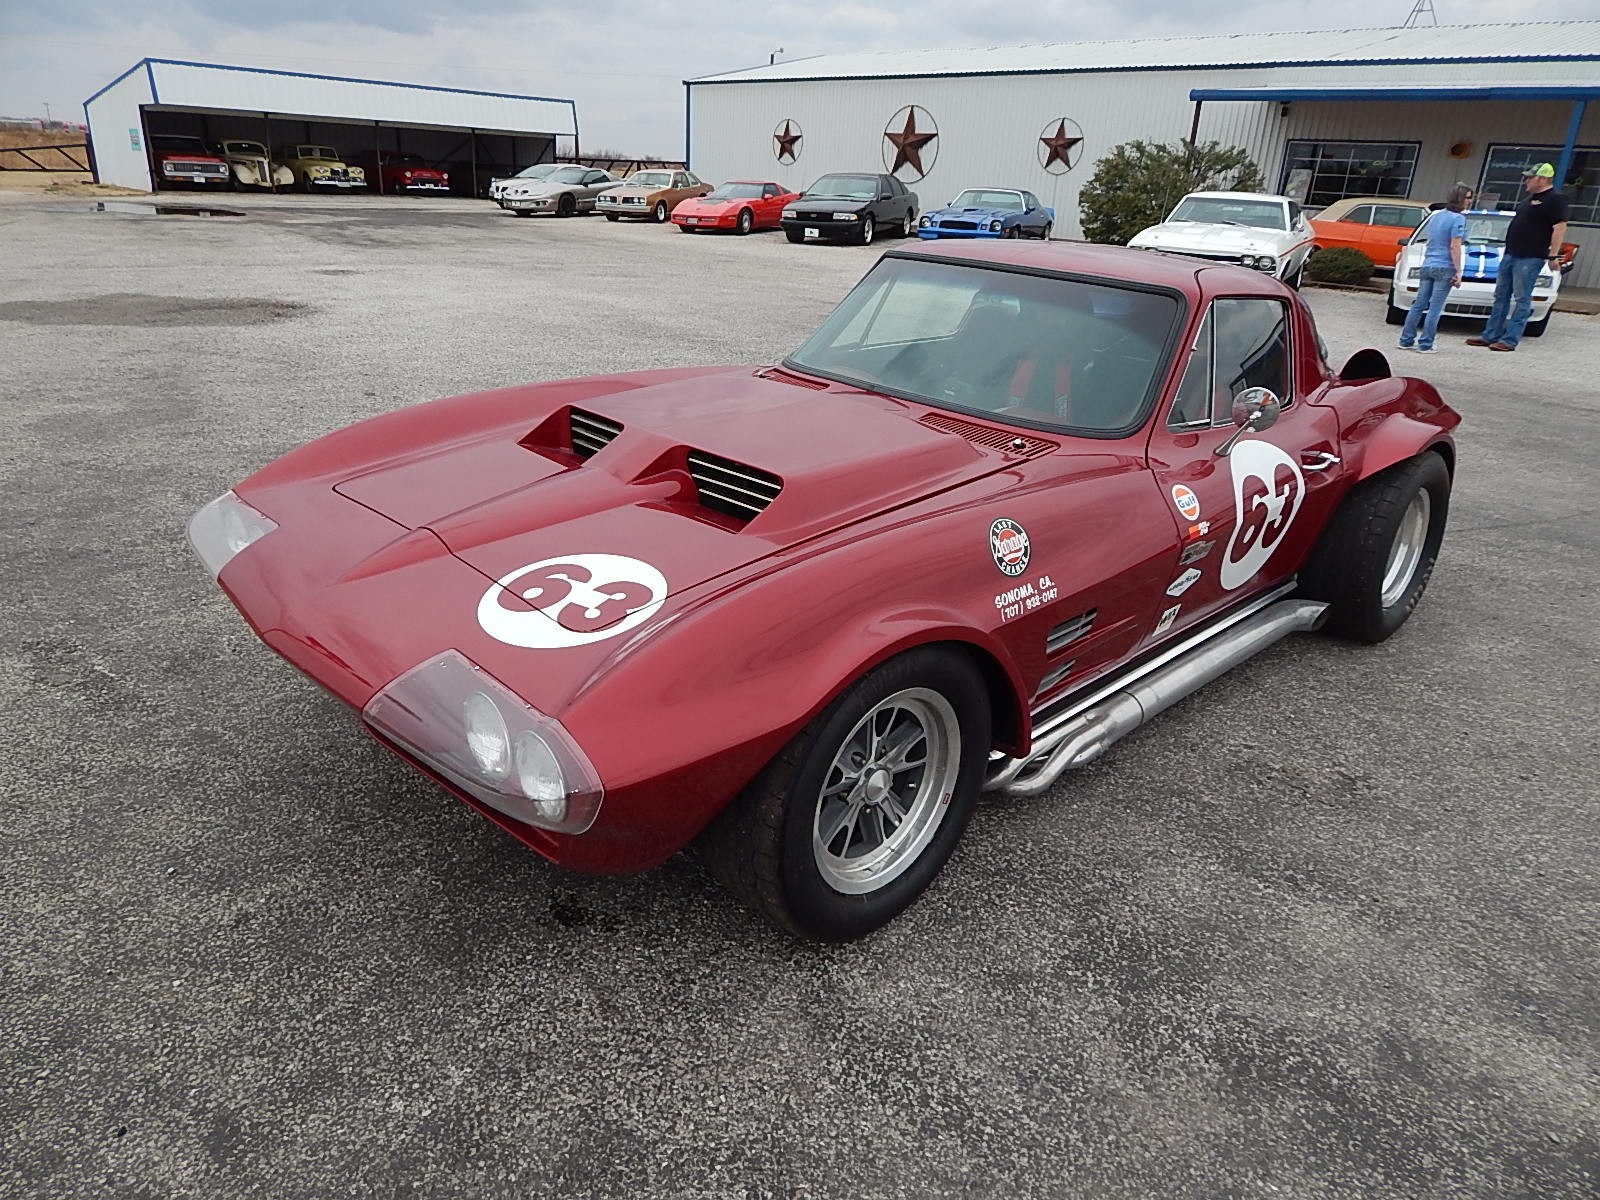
(1328, 929)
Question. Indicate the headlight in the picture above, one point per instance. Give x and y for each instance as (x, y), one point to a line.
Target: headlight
(994, 226)
(790, 212)
(846, 216)
(223, 528)
(320, 170)
(444, 176)
(925, 222)
(470, 729)
(1545, 279)
(357, 173)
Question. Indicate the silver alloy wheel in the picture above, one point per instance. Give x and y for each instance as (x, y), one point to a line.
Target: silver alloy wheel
(886, 792)
(866, 230)
(1410, 540)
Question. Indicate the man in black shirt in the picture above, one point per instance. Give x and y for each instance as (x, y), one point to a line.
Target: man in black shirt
(1533, 245)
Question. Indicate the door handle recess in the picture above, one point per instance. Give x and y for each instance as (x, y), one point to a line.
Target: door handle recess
(1319, 460)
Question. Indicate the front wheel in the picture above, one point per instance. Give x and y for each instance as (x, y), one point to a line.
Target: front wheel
(1373, 560)
(1396, 315)
(1294, 280)
(1537, 328)
(867, 229)
(613, 217)
(566, 206)
(854, 818)
(794, 236)
(747, 221)
(659, 213)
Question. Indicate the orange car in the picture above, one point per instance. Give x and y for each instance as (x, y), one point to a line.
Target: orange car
(1373, 225)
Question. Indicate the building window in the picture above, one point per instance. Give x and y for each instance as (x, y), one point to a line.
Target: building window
(1502, 178)
(1333, 170)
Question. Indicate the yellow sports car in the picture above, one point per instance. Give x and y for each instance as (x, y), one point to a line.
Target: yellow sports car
(320, 167)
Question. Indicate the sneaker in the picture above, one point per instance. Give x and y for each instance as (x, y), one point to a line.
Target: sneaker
(1405, 345)
(1502, 346)
(1424, 349)
(1476, 341)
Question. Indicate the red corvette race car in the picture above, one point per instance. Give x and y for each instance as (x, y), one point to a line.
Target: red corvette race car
(1009, 501)
(739, 204)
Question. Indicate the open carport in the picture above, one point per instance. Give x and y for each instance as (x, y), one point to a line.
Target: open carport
(473, 135)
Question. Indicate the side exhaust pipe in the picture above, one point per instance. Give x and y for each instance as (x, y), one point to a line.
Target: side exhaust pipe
(1092, 732)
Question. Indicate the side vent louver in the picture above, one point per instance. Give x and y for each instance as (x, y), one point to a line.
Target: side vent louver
(591, 433)
(732, 488)
(1068, 632)
(1054, 677)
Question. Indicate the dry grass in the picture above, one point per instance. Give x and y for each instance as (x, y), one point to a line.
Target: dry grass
(21, 176)
(10, 138)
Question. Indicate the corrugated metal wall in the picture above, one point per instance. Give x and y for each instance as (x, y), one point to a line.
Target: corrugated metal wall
(989, 126)
(116, 132)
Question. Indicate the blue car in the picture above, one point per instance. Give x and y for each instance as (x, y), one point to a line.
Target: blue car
(989, 213)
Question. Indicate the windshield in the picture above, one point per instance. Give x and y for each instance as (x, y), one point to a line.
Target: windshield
(405, 160)
(188, 145)
(317, 152)
(1215, 210)
(650, 179)
(1035, 350)
(1487, 227)
(981, 198)
(735, 191)
(568, 175)
(536, 172)
(845, 187)
(244, 148)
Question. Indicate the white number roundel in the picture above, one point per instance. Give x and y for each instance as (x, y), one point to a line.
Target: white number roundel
(575, 599)
(1267, 491)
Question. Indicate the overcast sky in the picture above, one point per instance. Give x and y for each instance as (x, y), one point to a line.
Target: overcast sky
(623, 61)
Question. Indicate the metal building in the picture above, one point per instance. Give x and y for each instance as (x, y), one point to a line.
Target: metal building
(1400, 112)
(476, 134)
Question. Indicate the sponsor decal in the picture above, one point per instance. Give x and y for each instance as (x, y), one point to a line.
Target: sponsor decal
(1008, 543)
(1188, 503)
(1025, 597)
(1194, 552)
(1167, 618)
(1200, 530)
(1183, 582)
(575, 599)
(1268, 489)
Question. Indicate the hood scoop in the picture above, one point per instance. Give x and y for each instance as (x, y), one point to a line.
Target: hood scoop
(590, 433)
(731, 488)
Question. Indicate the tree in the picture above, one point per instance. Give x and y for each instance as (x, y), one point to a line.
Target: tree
(1137, 184)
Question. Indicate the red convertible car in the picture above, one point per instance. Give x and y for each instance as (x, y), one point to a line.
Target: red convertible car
(1010, 501)
(739, 204)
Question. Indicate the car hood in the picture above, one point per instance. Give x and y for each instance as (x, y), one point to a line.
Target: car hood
(831, 203)
(540, 189)
(979, 214)
(513, 496)
(1480, 261)
(633, 190)
(1210, 239)
(716, 205)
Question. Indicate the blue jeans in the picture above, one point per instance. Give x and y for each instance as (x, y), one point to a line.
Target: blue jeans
(1513, 293)
(1433, 289)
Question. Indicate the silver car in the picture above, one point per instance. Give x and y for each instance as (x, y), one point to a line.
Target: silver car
(497, 187)
(565, 191)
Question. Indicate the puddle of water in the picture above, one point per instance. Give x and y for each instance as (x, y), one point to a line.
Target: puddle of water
(162, 210)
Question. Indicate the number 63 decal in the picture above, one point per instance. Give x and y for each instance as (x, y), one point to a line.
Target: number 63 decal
(574, 599)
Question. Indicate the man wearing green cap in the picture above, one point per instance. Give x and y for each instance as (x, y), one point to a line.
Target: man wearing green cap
(1533, 244)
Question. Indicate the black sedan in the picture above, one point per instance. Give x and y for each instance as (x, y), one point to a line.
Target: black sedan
(851, 208)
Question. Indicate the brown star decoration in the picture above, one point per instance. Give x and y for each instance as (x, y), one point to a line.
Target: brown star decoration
(787, 140)
(1059, 144)
(908, 144)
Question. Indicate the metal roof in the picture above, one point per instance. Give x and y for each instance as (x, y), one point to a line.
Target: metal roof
(1552, 41)
(1509, 89)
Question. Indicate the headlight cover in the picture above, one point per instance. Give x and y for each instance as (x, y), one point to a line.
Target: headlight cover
(468, 727)
(223, 528)
(844, 216)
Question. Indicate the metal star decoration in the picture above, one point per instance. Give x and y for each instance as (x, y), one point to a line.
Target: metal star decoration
(909, 143)
(1058, 146)
(787, 139)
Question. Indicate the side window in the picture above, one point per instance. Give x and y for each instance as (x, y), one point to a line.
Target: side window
(681, 180)
(1250, 349)
(1361, 214)
(1033, 201)
(1192, 405)
(769, 189)
(1294, 215)
(1396, 214)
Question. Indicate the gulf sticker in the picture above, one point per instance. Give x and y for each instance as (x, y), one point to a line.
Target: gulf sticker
(1188, 503)
(1008, 543)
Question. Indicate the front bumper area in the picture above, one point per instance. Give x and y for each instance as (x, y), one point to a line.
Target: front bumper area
(825, 231)
(933, 231)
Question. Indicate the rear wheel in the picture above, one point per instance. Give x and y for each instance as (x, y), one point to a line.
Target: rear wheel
(854, 818)
(747, 220)
(1044, 234)
(660, 213)
(1373, 560)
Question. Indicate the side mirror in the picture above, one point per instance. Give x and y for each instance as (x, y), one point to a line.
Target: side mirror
(1254, 409)
(1403, 242)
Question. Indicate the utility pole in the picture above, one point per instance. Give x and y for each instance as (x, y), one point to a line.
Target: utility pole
(1418, 10)
(47, 120)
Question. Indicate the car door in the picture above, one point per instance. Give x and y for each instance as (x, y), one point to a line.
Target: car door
(593, 184)
(769, 209)
(1390, 224)
(1247, 518)
(1349, 231)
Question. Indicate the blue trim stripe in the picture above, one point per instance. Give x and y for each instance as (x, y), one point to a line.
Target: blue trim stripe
(1554, 91)
(143, 62)
(150, 72)
(417, 87)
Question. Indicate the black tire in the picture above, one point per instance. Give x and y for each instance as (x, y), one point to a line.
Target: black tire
(305, 184)
(908, 227)
(1395, 316)
(1349, 566)
(1294, 280)
(520, 212)
(685, 229)
(613, 217)
(868, 228)
(660, 212)
(761, 846)
(1044, 234)
(566, 206)
(794, 235)
(1537, 328)
(747, 221)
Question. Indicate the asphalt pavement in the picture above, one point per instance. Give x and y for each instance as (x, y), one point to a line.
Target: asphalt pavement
(1327, 929)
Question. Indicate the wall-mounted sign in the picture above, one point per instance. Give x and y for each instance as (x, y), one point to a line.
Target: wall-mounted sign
(1060, 145)
(133, 138)
(786, 141)
(910, 143)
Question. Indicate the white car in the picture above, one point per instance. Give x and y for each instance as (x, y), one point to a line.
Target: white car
(1265, 233)
(497, 187)
(1474, 297)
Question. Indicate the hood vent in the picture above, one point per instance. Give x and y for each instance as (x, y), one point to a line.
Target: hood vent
(779, 375)
(1068, 632)
(995, 439)
(732, 488)
(591, 433)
